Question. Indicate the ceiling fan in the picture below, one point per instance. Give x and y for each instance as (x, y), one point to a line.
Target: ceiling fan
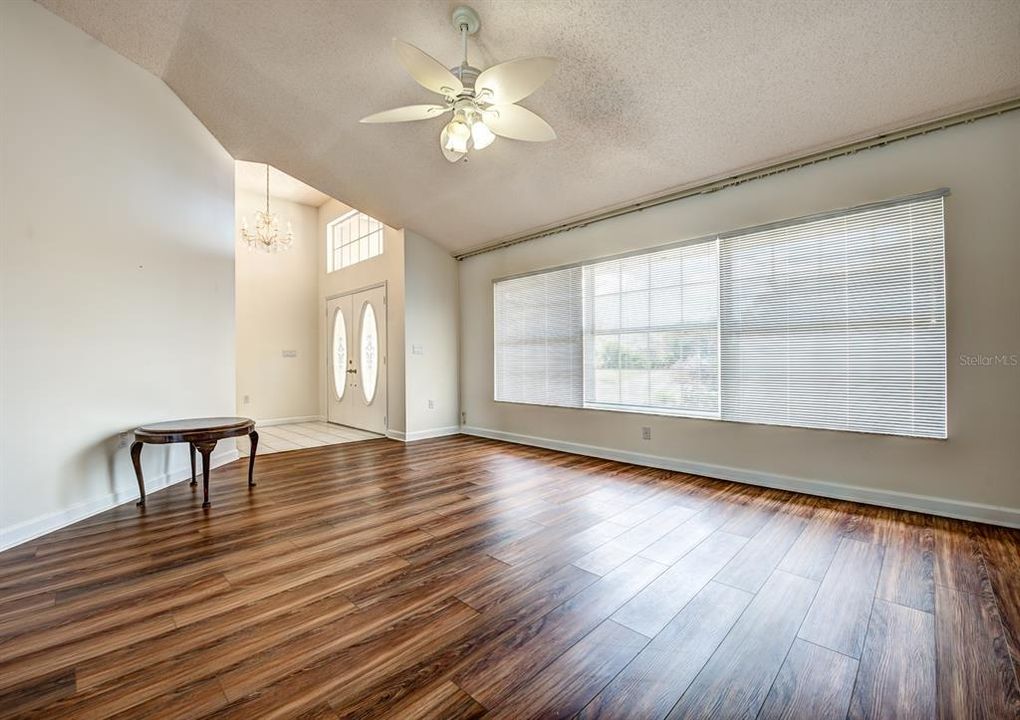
(482, 101)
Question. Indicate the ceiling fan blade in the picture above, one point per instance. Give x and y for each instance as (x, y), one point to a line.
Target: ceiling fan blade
(429, 72)
(407, 114)
(512, 81)
(517, 123)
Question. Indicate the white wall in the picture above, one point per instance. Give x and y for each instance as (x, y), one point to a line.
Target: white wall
(387, 269)
(117, 272)
(277, 310)
(432, 320)
(978, 464)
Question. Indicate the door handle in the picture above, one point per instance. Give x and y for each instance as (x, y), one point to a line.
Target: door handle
(355, 371)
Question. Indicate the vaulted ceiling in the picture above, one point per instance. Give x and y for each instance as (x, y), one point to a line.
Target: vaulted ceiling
(251, 177)
(649, 94)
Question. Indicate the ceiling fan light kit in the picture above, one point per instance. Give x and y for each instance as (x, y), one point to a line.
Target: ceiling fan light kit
(483, 102)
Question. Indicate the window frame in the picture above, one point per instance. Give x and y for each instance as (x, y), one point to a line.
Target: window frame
(718, 238)
(335, 251)
(690, 329)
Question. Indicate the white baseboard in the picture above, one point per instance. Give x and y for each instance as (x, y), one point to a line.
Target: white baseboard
(31, 529)
(423, 434)
(1008, 517)
(432, 433)
(288, 420)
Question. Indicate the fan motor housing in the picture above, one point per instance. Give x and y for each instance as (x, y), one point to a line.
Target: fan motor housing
(467, 75)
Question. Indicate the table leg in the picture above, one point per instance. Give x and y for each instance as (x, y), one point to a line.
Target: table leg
(206, 449)
(194, 482)
(136, 460)
(254, 438)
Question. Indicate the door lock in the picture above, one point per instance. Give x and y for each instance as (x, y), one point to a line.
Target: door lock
(354, 371)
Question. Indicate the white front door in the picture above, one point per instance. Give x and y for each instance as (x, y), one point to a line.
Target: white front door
(356, 364)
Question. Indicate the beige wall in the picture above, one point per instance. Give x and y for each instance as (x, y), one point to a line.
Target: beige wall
(979, 463)
(387, 269)
(421, 314)
(432, 322)
(276, 305)
(117, 273)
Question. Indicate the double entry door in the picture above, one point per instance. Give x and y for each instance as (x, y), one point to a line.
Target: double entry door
(356, 365)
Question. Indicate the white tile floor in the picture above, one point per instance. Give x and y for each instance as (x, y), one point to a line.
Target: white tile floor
(277, 438)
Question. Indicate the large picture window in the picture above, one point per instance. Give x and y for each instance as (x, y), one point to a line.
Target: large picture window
(836, 322)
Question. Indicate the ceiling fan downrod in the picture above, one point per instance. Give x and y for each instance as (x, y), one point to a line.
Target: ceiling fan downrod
(466, 22)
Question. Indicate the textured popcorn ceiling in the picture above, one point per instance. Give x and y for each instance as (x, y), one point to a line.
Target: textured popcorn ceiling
(649, 95)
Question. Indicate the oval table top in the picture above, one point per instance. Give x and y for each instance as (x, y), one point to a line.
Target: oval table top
(192, 424)
(195, 428)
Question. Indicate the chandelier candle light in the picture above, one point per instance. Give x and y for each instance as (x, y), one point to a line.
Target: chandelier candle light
(266, 237)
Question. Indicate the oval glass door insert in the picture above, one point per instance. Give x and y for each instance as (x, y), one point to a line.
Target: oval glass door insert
(369, 353)
(339, 354)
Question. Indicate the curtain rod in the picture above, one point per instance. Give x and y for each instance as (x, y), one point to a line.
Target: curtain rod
(757, 174)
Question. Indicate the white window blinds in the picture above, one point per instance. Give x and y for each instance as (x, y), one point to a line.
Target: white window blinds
(838, 323)
(651, 339)
(835, 322)
(538, 330)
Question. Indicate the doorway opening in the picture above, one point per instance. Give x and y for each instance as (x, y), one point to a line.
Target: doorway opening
(287, 240)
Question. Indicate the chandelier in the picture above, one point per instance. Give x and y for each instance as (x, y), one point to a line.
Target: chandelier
(267, 237)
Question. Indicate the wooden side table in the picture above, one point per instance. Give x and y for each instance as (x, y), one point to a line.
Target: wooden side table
(201, 433)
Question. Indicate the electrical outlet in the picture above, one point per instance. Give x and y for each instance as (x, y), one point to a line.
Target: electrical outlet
(246, 400)
(289, 353)
(646, 433)
(432, 404)
(122, 440)
(463, 418)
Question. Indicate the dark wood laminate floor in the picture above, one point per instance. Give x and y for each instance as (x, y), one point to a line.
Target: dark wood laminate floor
(461, 577)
